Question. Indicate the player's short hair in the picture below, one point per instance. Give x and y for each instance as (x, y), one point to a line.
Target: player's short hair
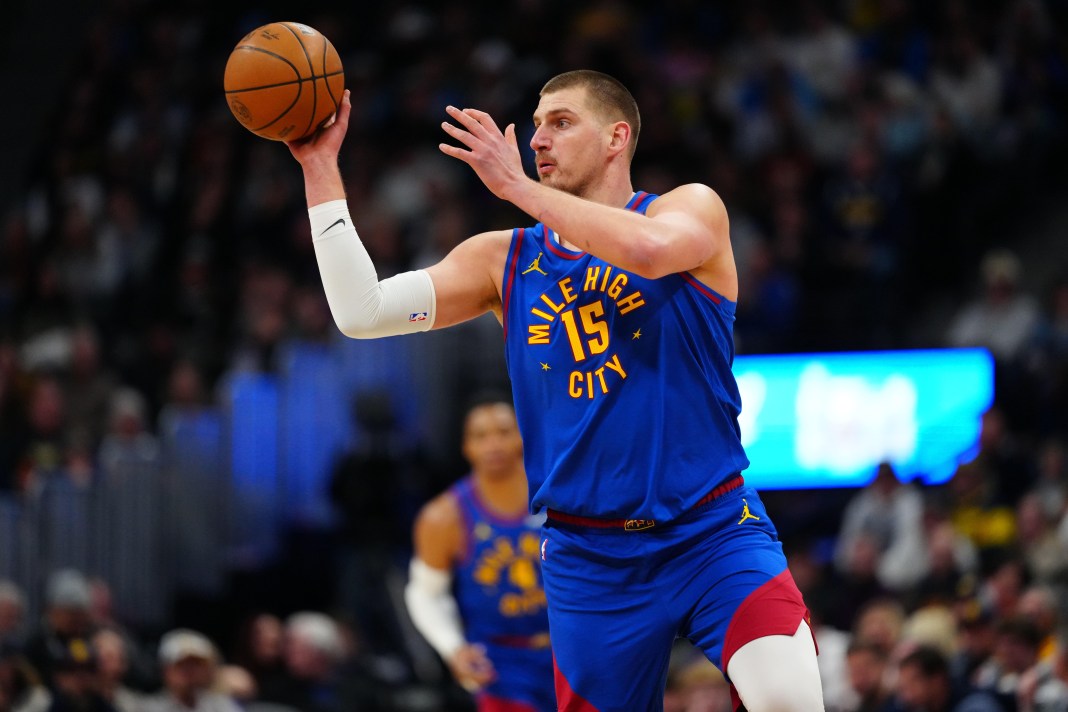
(608, 95)
(485, 398)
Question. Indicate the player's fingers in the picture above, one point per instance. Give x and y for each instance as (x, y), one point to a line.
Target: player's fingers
(509, 136)
(455, 152)
(466, 120)
(459, 134)
(344, 109)
(483, 118)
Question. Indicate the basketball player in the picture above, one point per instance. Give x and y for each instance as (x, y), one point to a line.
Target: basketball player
(477, 546)
(618, 309)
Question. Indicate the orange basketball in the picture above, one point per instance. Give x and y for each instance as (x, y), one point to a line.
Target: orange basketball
(283, 81)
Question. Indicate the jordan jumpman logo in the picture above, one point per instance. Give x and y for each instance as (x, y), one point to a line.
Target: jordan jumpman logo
(746, 514)
(535, 266)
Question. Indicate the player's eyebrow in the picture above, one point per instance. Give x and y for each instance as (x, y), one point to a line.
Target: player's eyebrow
(552, 113)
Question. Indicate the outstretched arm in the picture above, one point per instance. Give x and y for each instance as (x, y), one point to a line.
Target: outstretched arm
(685, 230)
(438, 540)
(460, 288)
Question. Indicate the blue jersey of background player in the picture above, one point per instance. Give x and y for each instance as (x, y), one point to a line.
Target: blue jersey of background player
(651, 531)
(491, 627)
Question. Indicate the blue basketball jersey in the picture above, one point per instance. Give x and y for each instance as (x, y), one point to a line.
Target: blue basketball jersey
(623, 386)
(498, 584)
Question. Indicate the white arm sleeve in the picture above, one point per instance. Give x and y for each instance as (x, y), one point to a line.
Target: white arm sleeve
(363, 307)
(432, 608)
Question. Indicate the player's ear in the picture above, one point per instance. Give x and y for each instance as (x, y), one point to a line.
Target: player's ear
(620, 137)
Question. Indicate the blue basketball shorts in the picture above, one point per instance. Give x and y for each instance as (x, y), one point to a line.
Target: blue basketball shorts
(524, 681)
(618, 599)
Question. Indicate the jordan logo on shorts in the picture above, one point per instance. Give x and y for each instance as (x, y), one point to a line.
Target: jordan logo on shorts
(746, 514)
(535, 266)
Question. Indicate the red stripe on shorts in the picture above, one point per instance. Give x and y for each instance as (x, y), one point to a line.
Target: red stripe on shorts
(489, 703)
(776, 608)
(567, 700)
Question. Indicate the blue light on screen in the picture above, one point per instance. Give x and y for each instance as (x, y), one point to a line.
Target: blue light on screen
(827, 420)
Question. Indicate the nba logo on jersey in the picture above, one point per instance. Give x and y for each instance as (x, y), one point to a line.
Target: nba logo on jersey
(418, 316)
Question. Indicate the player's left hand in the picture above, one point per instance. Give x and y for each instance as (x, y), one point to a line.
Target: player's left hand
(492, 154)
(471, 668)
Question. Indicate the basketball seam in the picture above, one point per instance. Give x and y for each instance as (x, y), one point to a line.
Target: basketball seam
(326, 82)
(298, 82)
(311, 71)
(282, 84)
(253, 48)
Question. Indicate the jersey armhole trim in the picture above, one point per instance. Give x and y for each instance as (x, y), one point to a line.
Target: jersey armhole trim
(509, 276)
(703, 288)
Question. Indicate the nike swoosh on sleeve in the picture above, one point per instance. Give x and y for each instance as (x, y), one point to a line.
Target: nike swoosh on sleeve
(339, 220)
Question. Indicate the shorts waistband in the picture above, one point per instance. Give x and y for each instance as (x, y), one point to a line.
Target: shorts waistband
(538, 641)
(637, 525)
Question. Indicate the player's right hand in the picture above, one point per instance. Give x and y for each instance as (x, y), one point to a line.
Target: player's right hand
(326, 142)
(471, 668)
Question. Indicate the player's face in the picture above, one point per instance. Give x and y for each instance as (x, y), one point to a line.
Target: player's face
(570, 140)
(491, 440)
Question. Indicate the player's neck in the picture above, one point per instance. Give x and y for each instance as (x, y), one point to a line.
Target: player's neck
(614, 193)
(505, 494)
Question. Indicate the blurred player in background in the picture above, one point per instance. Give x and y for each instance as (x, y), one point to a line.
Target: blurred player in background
(618, 310)
(475, 590)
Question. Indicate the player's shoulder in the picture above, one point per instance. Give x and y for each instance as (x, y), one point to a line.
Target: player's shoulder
(486, 246)
(441, 514)
(490, 237)
(689, 196)
(438, 534)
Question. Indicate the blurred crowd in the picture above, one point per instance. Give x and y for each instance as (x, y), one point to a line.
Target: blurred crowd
(877, 157)
(79, 658)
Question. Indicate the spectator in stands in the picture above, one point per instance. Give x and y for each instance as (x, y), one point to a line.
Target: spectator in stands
(1044, 688)
(1042, 551)
(951, 557)
(975, 643)
(20, 687)
(65, 627)
(982, 493)
(866, 666)
(1015, 652)
(1039, 604)
(141, 669)
(924, 685)
(889, 515)
(74, 679)
(12, 612)
(129, 442)
(856, 584)
(314, 651)
(112, 656)
(88, 385)
(42, 446)
(1002, 587)
(1003, 318)
(1051, 484)
(702, 688)
(260, 649)
(13, 425)
(932, 626)
(880, 623)
(189, 662)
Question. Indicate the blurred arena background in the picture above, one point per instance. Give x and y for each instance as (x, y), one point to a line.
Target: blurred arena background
(187, 440)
